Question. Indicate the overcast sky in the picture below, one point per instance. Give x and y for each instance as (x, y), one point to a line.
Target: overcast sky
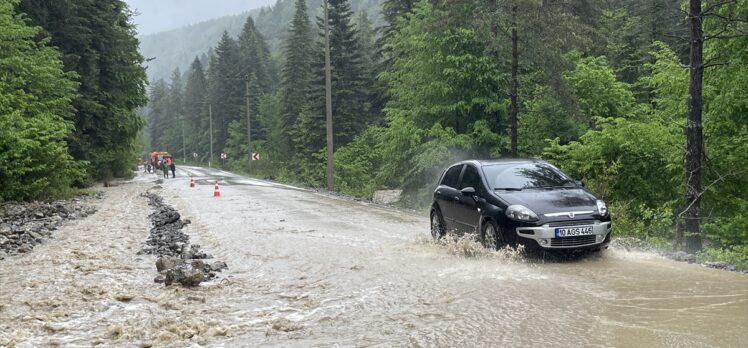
(161, 15)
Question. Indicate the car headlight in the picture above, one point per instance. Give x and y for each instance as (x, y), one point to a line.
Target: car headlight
(520, 213)
(602, 208)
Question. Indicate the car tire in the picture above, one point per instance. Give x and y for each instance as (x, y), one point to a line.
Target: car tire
(437, 225)
(492, 236)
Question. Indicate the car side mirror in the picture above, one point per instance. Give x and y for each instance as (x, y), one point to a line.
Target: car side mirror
(579, 183)
(468, 191)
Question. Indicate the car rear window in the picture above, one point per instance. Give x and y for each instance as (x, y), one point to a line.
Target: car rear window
(525, 175)
(452, 175)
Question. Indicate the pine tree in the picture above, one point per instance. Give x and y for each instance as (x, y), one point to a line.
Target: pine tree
(255, 54)
(226, 89)
(296, 75)
(157, 116)
(98, 42)
(174, 114)
(392, 12)
(350, 95)
(194, 107)
(367, 37)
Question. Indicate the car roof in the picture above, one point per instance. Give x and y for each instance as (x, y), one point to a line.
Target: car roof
(484, 162)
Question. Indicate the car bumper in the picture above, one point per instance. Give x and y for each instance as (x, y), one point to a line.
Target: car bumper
(545, 236)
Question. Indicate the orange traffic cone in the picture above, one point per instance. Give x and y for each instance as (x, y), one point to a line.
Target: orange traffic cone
(216, 192)
(192, 182)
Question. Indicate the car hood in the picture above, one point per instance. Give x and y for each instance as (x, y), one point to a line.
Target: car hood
(551, 201)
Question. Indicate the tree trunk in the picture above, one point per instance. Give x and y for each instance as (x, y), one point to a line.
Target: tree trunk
(514, 84)
(694, 136)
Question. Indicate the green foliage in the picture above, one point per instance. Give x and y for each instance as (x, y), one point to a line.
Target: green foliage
(296, 76)
(98, 42)
(736, 255)
(356, 162)
(596, 89)
(441, 73)
(442, 87)
(602, 94)
(350, 95)
(195, 109)
(35, 114)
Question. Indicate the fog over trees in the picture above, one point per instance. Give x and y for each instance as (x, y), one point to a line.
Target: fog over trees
(156, 16)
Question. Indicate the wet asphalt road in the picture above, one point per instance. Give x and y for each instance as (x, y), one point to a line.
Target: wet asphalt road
(308, 269)
(356, 274)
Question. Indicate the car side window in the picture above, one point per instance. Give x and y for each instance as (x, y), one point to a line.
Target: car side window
(471, 178)
(451, 176)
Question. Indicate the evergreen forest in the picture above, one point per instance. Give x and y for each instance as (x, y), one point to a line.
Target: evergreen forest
(598, 88)
(645, 101)
(71, 80)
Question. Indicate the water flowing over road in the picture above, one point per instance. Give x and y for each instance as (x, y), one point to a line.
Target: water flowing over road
(310, 269)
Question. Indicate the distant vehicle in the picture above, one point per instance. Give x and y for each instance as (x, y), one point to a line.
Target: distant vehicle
(155, 157)
(519, 201)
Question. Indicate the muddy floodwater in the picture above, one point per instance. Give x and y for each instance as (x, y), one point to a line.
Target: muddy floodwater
(307, 269)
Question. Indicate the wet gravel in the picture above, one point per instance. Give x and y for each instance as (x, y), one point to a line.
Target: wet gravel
(179, 261)
(25, 225)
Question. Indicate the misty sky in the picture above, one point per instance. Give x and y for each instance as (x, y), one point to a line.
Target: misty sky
(161, 15)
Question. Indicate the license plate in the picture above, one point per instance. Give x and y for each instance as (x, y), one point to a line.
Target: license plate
(573, 231)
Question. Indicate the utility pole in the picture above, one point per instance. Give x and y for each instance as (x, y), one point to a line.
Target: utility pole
(249, 129)
(210, 122)
(184, 153)
(513, 108)
(328, 102)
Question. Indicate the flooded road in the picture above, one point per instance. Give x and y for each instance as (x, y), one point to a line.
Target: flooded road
(309, 269)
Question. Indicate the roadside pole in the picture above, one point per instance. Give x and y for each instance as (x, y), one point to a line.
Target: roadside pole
(249, 130)
(210, 122)
(328, 102)
(184, 151)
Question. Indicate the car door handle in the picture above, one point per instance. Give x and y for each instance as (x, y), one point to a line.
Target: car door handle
(457, 198)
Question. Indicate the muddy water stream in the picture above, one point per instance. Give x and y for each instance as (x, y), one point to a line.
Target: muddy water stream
(306, 269)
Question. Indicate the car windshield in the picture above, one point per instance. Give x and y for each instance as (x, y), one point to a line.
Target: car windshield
(518, 176)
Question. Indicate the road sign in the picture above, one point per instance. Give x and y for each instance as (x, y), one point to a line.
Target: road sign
(255, 156)
(223, 155)
(194, 154)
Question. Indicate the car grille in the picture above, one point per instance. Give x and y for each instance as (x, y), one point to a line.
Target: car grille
(572, 223)
(573, 241)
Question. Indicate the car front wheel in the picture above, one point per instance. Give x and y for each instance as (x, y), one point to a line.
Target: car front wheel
(492, 235)
(437, 225)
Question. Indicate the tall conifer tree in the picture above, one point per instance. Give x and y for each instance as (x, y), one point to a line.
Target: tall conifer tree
(350, 94)
(226, 89)
(98, 42)
(195, 93)
(295, 74)
(158, 107)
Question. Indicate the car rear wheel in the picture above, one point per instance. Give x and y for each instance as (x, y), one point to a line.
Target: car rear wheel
(437, 225)
(492, 235)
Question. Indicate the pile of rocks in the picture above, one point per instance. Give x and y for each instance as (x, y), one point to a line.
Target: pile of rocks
(24, 225)
(179, 261)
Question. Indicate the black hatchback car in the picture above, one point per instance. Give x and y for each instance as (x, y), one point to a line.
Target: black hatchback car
(519, 201)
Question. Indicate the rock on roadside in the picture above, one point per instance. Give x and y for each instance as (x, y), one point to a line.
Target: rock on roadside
(178, 261)
(24, 225)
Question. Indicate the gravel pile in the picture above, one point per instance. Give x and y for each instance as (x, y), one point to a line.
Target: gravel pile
(179, 261)
(24, 225)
